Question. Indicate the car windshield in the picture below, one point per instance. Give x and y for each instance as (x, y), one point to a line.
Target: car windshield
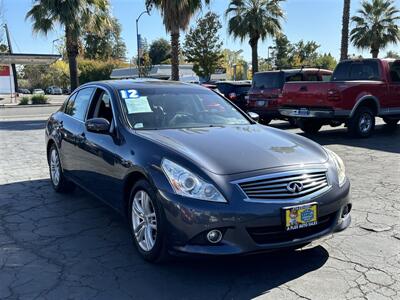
(166, 108)
(269, 80)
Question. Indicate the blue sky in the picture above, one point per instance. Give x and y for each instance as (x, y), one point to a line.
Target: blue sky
(318, 20)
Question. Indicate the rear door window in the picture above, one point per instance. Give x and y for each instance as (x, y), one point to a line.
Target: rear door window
(395, 71)
(357, 70)
(342, 71)
(78, 107)
(295, 77)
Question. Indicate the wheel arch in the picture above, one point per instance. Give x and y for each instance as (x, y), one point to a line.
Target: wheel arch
(129, 182)
(50, 143)
(369, 101)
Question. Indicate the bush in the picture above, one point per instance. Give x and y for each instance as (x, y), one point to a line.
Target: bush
(24, 101)
(39, 99)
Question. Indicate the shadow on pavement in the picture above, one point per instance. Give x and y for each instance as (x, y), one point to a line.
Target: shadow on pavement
(385, 138)
(22, 125)
(80, 245)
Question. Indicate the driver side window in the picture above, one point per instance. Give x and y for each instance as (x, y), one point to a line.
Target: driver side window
(101, 106)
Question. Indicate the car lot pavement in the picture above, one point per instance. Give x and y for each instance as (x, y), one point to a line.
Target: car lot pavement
(56, 246)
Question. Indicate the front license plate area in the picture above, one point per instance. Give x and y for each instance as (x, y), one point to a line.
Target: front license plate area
(300, 216)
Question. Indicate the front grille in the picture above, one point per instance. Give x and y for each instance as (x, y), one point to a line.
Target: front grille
(278, 234)
(275, 186)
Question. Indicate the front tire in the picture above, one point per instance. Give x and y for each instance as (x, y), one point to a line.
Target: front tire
(362, 124)
(309, 126)
(58, 180)
(147, 223)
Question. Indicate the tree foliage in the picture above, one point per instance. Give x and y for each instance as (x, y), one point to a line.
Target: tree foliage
(254, 20)
(392, 54)
(176, 15)
(375, 25)
(231, 58)
(159, 51)
(202, 46)
(105, 45)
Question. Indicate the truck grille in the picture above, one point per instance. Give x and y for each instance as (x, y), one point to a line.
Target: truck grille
(286, 185)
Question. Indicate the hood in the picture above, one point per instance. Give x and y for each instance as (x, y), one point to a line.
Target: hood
(237, 149)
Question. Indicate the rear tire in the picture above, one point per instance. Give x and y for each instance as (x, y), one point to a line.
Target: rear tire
(309, 126)
(147, 223)
(292, 122)
(58, 180)
(390, 121)
(362, 123)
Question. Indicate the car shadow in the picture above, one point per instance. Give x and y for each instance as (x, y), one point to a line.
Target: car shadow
(86, 244)
(22, 125)
(384, 138)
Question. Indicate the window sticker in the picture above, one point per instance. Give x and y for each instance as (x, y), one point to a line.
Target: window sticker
(129, 94)
(138, 105)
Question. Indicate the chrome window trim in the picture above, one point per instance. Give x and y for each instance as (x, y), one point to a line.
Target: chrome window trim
(302, 199)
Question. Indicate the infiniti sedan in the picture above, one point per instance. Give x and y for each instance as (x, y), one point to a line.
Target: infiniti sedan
(192, 173)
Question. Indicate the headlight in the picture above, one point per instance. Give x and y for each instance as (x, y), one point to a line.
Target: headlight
(187, 184)
(341, 170)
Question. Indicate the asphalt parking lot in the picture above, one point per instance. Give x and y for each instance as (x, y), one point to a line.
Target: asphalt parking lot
(54, 246)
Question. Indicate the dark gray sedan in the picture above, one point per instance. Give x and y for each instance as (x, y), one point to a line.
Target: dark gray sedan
(192, 173)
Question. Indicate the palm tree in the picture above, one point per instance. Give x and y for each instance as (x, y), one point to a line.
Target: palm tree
(344, 48)
(176, 16)
(75, 17)
(375, 25)
(254, 19)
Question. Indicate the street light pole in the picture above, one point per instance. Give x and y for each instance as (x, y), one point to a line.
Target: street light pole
(147, 11)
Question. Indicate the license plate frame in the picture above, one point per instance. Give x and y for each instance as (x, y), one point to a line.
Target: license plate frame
(304, 112)
(300, 216)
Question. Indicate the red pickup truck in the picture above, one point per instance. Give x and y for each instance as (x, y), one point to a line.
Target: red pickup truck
(359, 91)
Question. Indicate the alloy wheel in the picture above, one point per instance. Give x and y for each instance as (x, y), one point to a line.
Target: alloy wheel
(365, 122)
(55, 167)
(144, 220)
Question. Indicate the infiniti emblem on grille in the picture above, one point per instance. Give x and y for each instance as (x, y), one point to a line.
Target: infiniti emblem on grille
(294, 187)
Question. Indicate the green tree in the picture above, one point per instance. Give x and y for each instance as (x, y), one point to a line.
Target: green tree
(94, 70)
(325, 61)
(283, 50)
(160, 51)
(344, 46)
(202, 46)
(231, 58)
(392, 54)
(375, 26)
(105, 45)
(176, 15)
(255, 20)
(75, 17)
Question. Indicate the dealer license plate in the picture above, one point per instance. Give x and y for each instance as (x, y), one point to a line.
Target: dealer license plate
(300, 216)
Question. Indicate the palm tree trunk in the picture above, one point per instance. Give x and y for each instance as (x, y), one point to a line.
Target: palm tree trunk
(375, 53)
(254, 54)
(344, 48)
(72, 53)
(175, 55)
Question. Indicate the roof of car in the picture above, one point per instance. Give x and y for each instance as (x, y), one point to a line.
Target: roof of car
(241, 82)
(144, 83)
(296, 70)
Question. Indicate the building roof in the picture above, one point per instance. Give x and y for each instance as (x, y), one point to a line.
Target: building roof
(28, 58)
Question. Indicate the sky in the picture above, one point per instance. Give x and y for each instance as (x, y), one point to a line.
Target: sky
(318, 20)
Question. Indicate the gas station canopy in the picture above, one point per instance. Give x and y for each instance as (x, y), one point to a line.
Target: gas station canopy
(28, 59)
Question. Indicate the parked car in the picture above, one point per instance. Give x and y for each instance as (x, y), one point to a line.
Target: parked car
(38, 92)
(266, 90)
(360, 90)
(193, 174)
(236, 91)
(24, 91)
(54, 90)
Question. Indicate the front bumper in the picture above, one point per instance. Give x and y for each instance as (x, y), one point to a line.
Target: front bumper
(247, 227)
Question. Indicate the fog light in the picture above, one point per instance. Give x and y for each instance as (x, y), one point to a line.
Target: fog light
(346, 210)
(214, 236)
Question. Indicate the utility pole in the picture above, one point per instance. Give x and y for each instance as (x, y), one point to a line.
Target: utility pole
(14, 70)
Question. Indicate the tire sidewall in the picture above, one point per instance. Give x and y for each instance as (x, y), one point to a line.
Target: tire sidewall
(157, 252)
(54, 148)
(357, 130)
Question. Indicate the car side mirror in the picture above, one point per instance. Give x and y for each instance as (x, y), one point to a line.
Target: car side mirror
(99, 125)
(254, 116)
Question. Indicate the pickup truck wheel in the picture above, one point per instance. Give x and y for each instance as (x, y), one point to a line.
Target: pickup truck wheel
(390, 121)
(292, 122)
(309, 126)
(362, 123)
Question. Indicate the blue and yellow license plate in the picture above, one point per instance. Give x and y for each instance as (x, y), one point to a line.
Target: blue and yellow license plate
(300, 216)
